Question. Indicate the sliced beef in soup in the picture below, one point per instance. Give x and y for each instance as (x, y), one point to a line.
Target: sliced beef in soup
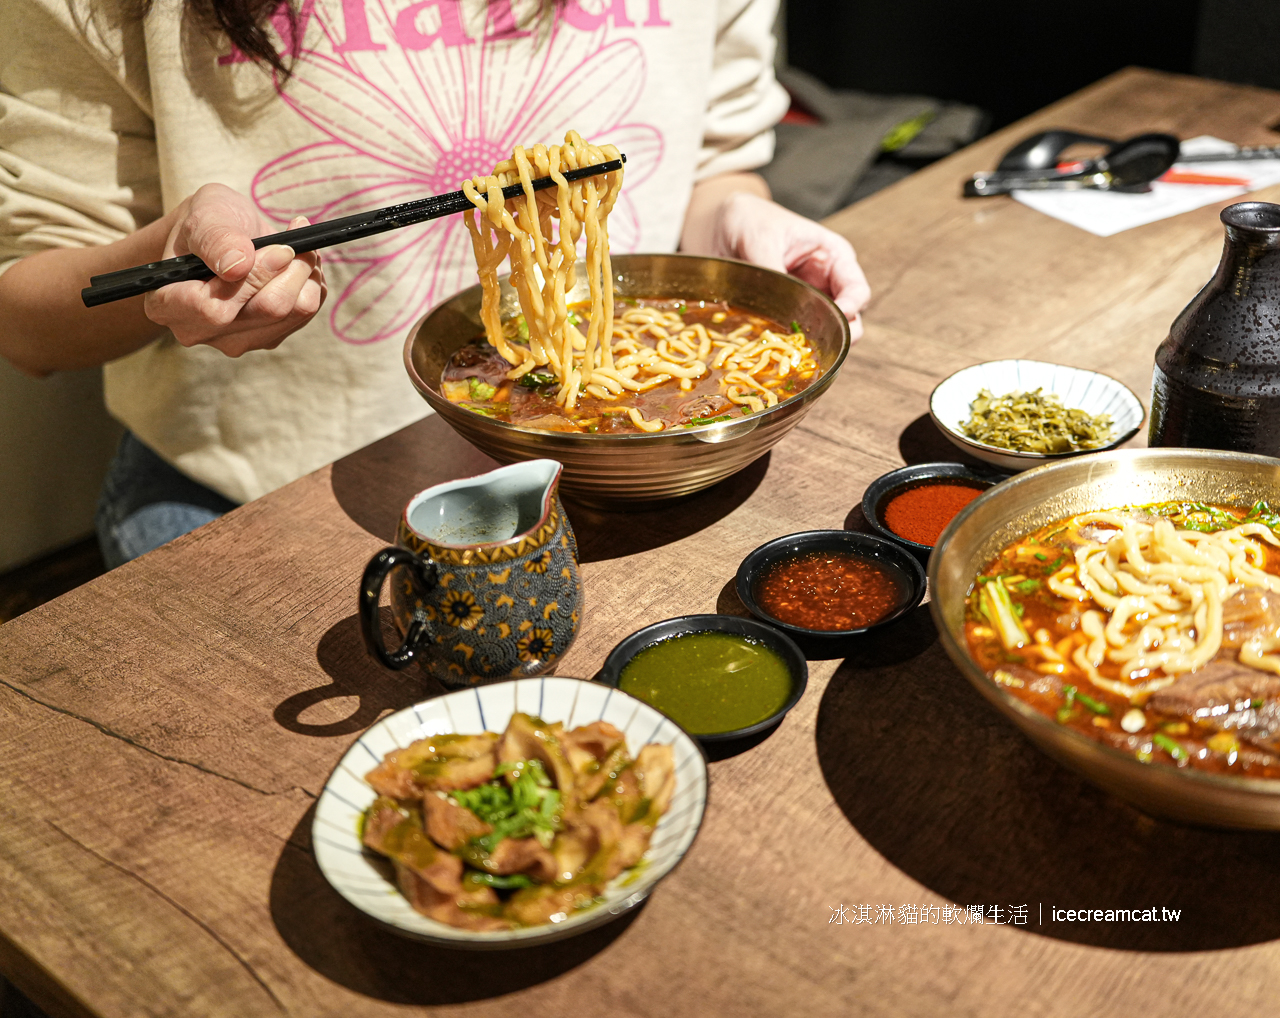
(476, 360)
(702, 407)
(1249, 613)
(1219, 687)
(1230, 697)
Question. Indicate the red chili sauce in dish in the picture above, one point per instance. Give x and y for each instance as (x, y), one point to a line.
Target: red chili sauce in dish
(922, 513)
(830, 591)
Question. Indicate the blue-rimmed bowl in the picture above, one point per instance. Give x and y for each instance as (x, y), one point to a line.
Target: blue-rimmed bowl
(356, 874)
(684, 625)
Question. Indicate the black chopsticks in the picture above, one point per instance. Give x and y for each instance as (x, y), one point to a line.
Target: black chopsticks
(112, 286)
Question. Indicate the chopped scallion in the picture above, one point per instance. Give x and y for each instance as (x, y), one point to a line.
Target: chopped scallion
(1097, 706)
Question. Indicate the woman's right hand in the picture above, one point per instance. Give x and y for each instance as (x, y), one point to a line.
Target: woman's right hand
(257, 297)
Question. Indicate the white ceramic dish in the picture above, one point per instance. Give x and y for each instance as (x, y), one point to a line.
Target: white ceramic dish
(573, 702)
(1086, 390)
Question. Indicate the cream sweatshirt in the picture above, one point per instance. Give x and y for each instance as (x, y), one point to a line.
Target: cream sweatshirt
(105, 122)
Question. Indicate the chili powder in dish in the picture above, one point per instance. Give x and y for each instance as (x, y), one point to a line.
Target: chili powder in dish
(830, 591)
(922, 513)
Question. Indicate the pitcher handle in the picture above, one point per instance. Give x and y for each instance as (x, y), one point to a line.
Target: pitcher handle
(375, 575)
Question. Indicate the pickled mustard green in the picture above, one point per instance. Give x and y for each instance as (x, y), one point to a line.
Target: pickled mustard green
(709, 682)
(1034, 422)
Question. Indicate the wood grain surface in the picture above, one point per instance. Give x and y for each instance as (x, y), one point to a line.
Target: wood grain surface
(164, 730)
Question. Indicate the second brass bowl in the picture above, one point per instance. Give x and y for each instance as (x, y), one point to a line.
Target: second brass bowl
(634, 471)
(1085, 484)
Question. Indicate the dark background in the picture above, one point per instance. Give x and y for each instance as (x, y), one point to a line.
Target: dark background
(1012, 58)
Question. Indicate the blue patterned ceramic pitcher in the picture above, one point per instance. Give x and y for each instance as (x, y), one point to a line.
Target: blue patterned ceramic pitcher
(484, 575)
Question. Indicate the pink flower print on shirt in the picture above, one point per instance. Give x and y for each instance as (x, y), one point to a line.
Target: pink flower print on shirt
(404, 123)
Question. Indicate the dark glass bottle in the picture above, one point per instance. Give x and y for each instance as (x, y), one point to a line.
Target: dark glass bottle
(1217, 376)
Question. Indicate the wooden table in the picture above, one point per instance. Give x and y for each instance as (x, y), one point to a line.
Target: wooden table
(166, 728)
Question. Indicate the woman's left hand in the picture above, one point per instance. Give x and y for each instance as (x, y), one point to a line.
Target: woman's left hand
(757, 230)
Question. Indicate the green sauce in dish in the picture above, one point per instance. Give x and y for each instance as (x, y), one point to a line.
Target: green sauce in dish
(709, 682)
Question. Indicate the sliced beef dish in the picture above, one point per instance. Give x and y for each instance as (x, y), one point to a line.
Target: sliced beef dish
(490, 831)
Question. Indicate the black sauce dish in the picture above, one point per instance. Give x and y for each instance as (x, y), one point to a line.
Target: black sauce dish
(819, 644)
(683, 625)
(885, 488)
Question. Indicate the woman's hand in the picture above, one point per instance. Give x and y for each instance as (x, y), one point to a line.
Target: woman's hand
(761, 231)
(256, 300)
(732, 217)
(257, 297)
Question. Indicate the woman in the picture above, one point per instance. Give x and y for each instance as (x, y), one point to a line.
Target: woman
(131, 135)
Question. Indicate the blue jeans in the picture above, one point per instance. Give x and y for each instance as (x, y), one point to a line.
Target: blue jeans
(146, 503)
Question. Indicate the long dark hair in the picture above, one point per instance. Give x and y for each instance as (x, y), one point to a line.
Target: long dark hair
(244, 22)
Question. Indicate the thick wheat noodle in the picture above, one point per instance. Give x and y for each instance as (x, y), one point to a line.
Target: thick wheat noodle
(1161, 591)
(610, 361)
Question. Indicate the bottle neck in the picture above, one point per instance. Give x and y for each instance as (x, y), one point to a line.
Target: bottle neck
(1253, 232)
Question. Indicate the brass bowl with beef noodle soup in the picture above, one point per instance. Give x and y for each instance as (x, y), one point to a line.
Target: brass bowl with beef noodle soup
(678, 365)
(705, 434)
(1123, 609)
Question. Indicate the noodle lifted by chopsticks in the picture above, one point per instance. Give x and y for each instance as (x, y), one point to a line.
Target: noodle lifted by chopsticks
(525, 232)
(645, 346)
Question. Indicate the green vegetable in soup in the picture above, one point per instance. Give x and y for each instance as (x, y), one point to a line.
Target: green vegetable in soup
(1097, 706)
(1002, 613)
(1173, 748)
(481, 390)
(1264, 514)
(695, 421)
(536, 380)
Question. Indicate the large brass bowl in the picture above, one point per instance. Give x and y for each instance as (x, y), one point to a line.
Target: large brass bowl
(1101, 481)
(633, 471)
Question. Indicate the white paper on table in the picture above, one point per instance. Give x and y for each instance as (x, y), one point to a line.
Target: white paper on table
(1107, 212)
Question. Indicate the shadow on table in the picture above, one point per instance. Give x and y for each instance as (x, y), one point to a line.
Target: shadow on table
(374, 484)
(604, 535)
(355, 674)
(344, 945)
(922, 442)
(954, 796)
(857, 520)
